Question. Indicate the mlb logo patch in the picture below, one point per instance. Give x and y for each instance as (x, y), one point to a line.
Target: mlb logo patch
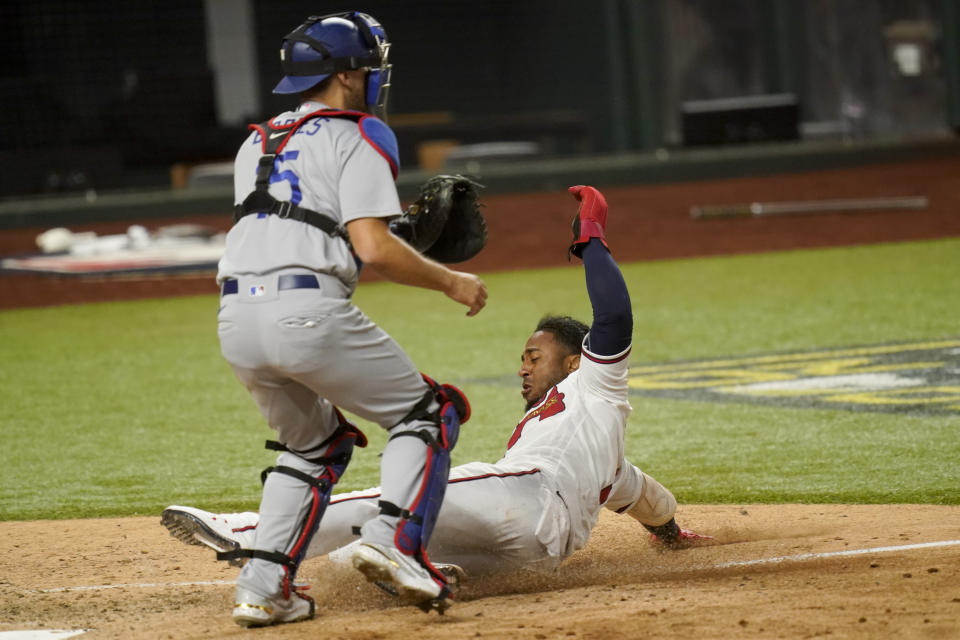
(257, 290)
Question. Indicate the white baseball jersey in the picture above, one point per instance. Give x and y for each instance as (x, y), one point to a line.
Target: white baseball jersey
(574, 435)
(537, 504)
(348, 179)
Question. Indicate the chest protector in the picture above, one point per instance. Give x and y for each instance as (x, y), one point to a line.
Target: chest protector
(275, 137)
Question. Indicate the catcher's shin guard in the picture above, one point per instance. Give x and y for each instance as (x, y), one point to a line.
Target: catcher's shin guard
(305, 499)
(416, 522)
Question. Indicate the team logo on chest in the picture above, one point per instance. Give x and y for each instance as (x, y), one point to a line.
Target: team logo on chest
(550, 407)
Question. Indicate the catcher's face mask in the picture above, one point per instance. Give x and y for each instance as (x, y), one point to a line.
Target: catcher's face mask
(378, 83)
(329, 44)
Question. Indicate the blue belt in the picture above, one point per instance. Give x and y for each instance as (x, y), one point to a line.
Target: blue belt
(294, 281)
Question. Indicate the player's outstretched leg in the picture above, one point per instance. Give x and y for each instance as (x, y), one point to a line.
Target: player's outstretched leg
(222, 532)
(414, 469)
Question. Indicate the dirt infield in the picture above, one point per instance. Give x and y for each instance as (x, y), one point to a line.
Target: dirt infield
(648, 223)
(127, 578)
(776, 571)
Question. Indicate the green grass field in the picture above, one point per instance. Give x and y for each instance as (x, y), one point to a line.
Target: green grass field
(124, 408)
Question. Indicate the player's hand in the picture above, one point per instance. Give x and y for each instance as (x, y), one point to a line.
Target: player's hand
(468, 290)
(593, 206)
(590, 221)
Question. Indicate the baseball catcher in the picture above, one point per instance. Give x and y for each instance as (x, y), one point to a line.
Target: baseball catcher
(444, 222)
(314, 194)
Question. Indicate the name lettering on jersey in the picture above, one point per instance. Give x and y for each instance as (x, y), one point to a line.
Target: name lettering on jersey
(550, 407)
(915, 377)
(309, 128)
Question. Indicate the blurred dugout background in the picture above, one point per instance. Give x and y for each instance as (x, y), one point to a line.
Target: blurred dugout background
(106, 96)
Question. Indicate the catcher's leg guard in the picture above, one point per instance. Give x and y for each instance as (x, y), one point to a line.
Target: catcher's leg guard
(296, 493)
(440, 432)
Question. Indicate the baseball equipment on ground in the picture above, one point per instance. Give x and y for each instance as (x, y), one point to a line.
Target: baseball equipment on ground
(591, 219)
(324, 45)
(444, 222)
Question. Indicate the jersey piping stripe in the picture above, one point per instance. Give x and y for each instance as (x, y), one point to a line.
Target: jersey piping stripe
(605, 360)
(507, 474)
(371, 496)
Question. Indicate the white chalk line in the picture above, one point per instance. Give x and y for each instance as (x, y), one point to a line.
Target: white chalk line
(836, 554)
(723, 565)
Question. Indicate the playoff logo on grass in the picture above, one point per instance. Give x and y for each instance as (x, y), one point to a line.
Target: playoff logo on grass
(920, 377)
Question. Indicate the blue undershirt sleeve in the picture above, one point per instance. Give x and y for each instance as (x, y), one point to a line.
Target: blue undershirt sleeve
(612, 328)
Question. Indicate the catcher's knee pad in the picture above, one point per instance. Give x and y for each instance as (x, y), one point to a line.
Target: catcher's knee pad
(418, 519)
(318, 470)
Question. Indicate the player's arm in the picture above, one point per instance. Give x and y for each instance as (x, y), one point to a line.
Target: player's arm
(612, 328)
(395, 260)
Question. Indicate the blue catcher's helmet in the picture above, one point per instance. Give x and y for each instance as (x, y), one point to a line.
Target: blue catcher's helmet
(324, 45)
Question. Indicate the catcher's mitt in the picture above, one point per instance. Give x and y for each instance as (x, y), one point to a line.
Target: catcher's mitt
(444, 222)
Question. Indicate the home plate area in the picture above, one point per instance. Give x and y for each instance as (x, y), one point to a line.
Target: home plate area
(793, 571)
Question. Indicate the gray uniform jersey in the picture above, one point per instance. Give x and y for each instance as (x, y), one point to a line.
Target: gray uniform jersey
(327, 167)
